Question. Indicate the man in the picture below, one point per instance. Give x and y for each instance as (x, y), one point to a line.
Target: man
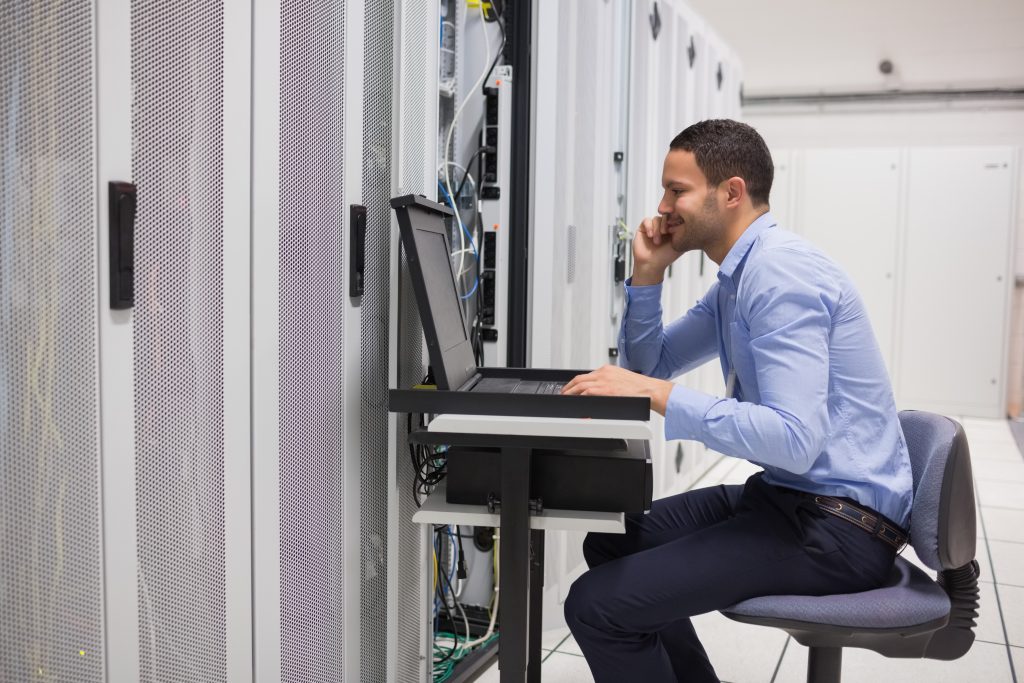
(808, 399)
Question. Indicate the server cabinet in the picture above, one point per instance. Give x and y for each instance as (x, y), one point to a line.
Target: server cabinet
(176, 367)
(206, 470)
(50, 471)
(414, 165)
(307, 378)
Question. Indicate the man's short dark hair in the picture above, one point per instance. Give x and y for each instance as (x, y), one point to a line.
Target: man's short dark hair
(725, 148)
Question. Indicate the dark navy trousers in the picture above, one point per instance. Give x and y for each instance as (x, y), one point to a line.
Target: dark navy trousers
(702, 551)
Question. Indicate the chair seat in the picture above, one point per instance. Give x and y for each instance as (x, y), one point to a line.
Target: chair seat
(910, 598)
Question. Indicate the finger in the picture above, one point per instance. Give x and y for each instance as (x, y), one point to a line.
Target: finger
(581, 388)
(571, 384)
(571, 390)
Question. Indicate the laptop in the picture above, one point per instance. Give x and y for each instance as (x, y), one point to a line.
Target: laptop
(428, 251)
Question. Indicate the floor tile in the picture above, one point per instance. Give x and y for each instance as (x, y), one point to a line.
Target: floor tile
(563, 668)
(490, 674)
(984, 451)
(1001, 494)
(1011, 598)
(999, 434)
(1008, 562)
(1006, 471)
(1002, 524)
(984, 663)
(990, 623)
(550, 639)
(986, 428)
(724, 638)
(570, 646)
(1018, 661)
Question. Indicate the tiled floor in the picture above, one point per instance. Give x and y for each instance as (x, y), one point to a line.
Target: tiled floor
(771, 656)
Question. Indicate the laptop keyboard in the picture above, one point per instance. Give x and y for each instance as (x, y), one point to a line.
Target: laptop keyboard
(514, 386)
(550, 388)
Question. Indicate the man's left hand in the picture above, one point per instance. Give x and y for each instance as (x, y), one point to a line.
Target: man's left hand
(612, 380)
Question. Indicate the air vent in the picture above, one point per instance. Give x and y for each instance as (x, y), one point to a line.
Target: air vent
(570, 250)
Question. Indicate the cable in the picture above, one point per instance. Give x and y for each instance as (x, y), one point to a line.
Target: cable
(462, 227)
(476, 155)
(494, 611)
(428, 468)
(501, 26)
(458, 193)
(455, 120)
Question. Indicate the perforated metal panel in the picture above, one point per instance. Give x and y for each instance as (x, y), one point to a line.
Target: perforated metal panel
(177, 162)
(311, 340)
(416, 75)
(378, 88)
(50, 573)
(418, 145)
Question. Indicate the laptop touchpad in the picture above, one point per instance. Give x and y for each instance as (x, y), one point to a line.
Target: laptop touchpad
(496, 385)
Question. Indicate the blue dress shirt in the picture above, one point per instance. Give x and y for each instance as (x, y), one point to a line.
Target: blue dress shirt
(812, 402)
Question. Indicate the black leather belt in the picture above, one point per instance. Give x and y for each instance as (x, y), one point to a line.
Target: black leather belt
(868, 520)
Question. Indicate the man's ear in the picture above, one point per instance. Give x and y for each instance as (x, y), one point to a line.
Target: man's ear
(736, 191)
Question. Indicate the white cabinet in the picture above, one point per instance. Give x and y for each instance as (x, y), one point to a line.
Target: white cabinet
(926, 236)
(849, 208)
(957, 266)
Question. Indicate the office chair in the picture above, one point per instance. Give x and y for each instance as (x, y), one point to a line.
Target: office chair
(912, 615)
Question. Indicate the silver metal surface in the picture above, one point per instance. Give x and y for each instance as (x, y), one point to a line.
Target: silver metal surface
(312, 292)
(378, 88)
(417, 156)
(51, 620)
(177, 163)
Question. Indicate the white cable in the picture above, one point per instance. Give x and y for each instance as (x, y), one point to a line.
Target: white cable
(471, 249)
(451, 131)
(464, 249)
(494, 611)
(463, 169)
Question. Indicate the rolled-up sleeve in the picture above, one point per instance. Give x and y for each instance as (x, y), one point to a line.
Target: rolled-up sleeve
(788, 345)
(647, 346)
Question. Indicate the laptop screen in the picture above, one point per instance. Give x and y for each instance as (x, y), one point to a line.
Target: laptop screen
(440, 280)
(425, 238)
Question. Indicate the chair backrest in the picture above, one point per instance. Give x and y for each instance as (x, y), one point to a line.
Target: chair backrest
(942, 523)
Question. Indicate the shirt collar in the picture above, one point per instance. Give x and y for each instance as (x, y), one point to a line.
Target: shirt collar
(739, 250)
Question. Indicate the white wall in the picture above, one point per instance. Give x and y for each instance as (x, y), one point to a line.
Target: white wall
(891, 127)
(791, 46)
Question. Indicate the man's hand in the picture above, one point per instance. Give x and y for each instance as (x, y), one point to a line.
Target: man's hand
(612, 380)
(652, 252)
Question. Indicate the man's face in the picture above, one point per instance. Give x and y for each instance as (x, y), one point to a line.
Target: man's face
(689, 207)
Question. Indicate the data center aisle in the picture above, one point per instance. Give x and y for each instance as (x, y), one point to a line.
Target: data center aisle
(749, 654)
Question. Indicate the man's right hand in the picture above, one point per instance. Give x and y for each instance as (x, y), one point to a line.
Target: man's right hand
(652, 252)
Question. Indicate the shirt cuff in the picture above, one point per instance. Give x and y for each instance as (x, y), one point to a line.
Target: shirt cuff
(643, 292)
(642, 302)
(685, 412)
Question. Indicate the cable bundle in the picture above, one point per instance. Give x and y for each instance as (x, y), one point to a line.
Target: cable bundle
(429, 465)
(450, 647)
